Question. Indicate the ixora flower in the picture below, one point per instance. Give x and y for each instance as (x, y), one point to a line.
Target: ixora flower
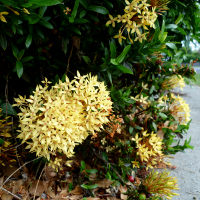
(180, 109)
(148, 149)
(55, 120)
(173, 82)
(138, 17)
(160, 184)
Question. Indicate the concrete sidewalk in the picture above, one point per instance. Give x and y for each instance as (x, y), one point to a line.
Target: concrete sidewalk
(188, 163)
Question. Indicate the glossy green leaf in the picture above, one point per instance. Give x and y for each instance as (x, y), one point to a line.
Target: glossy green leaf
(171, 45)
(163, 116)
(84, 3)
(182, 31)
(20, 54)
(171, 26)
(91, 171)
(89, 187)
(74, 11)
(27, 59)
(15, 51)
(45, 2)
(82, 14)
(122, 56)
(28, 41)
(179, 19)
(46, 24)
(113, 49)
(1, 141)
(3, 42)
(98, 9)
(124, 69)
(162, 37)
(19, 68)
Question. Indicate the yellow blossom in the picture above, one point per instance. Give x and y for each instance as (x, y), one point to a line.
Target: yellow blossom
(137, 14)
(2, 18)
(173, 82)
(26, 11)
(160, 184)
(149, 148)
(55, 120)
(180, 109)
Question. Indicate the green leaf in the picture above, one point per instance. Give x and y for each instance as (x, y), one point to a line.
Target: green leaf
(15, 51)
(8, 109)
(3, 42)
(81, 21)
(182, 31)
(46, 24)
(1, 141)
(162, 36)
(122, 56)
(89, 187)
(163, 116)
(27, 59)
(83, 166)
(171, 45)
(28, 41)
(76, 30)
(113, 50)
(74, 12)
(82, 14)
(91, 171)
(109, 77)
(124, 69)
(65, 42)
(179, 19)
(131, 129)
(99, 9)
(154, 126)
(171, 26)
(42, 11)
(45, 2)
(19, 68)
(113, 61)
(20, 54)
(84, 3)
(86, 59)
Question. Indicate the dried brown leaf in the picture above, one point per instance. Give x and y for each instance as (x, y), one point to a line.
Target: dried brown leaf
(77, 190)
(39, 187)
(5, 196)
(105, 183)
(123, 189)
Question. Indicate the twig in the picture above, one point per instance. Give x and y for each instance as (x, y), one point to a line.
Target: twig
(10, 193)
(38, 182)
(69, 58)
(17, 171)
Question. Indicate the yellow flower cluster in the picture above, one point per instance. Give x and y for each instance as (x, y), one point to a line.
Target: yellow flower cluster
(55, 120)
(160, 184)
(173, 82)
(180, 109)
(3, 13)
(149, 149)
(137, 18)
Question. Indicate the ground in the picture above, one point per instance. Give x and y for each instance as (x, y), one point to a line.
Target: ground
(188, 162)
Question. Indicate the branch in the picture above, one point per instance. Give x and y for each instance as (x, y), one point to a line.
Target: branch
(17, 171)
(10, 193)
